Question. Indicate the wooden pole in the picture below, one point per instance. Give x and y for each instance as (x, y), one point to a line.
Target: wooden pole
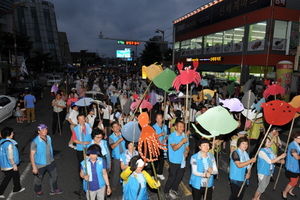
(155, 177)
(85, 163)
(59, 127)
(249, 171)
(136, 109)
(211, 165)
(286, 147)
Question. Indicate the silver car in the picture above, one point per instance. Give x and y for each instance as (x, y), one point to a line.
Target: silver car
(7, 105)
(54, 79)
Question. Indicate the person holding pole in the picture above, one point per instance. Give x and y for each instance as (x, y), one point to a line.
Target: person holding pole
(81, 136)
(117, 145)
(58, 115)
(93, 172)
(203, 168)
(161, 131)
(42, 161)
(265, 166)
(136, 180)
(239, 163)
(178, 149)
(292, 165)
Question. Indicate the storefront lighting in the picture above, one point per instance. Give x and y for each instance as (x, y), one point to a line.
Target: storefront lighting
(263, 24)
(210, 3)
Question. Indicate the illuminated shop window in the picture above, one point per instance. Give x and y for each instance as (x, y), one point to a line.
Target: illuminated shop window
(279, 36)
(196, 43)
(228, 41)
(257, 33)
(177, 46)
(238, 36)
(186, 44)
(208, 43)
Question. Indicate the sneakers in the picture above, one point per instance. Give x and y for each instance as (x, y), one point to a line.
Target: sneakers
(173, 194)
(39, 194)
(224, 151)
(2, 197)
(167, 196)
(58, 191)
(22, 189)
(161, 176)
(72, 146)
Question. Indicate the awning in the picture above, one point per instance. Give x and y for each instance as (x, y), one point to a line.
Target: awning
(255, 69)
(214, 68)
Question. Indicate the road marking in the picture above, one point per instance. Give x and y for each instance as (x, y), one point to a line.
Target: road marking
(185, 190)
(22, 178)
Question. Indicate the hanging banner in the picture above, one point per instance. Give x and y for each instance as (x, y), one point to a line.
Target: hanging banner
(284, 72)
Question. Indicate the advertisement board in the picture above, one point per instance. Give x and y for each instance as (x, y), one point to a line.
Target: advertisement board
(219, 12)
(126, 53)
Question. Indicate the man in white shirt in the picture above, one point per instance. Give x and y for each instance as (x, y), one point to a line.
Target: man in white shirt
(73, 122)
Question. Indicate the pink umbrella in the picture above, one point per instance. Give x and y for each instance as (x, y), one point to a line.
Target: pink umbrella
(144, 104)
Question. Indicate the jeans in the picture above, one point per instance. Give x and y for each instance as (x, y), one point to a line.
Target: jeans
(51, 169)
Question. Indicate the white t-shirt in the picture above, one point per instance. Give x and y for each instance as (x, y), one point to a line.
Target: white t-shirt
(106, 112)
(73, 116)
(91, 119)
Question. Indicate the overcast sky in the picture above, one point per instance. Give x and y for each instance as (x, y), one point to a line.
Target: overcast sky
(83, 20)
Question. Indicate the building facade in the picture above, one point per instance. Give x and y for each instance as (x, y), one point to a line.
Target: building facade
(38, 21)
(6, 16)
(248, 34)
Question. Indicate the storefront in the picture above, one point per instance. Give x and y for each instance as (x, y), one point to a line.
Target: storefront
(246, 35)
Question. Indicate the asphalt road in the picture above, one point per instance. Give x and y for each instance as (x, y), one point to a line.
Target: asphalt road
(66, 161)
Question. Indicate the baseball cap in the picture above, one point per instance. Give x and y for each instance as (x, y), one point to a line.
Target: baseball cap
(93, 151)
(243, 132)
(275, 128)
(41, 127)
(73, 89)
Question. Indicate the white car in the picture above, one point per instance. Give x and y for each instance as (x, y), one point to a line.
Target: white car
(7, 105)
(52, 79)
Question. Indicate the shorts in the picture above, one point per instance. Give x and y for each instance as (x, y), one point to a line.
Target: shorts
(263, 182)
(106, 122)
(290, 174)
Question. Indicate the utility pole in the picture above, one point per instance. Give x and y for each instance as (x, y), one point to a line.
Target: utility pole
(162, 45)
(14, 6)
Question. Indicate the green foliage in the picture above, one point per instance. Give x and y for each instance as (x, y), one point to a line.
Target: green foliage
(24, 45)
(151, 54)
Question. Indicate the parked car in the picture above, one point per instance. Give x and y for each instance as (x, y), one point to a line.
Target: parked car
(52, 79)
(34, 86)
(7, 105)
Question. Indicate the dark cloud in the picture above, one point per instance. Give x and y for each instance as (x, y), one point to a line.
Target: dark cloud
(82, 20)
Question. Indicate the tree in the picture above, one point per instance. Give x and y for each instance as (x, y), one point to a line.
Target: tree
(24, 46)
(41, 61)
(151, 53)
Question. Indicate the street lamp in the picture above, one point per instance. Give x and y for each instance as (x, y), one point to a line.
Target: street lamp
(162, 44)
(14, 6)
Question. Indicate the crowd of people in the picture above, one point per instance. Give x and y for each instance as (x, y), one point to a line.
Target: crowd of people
(106, 159)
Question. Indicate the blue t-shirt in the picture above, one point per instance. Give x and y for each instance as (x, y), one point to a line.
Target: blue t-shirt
(29, 101)
(176, 157)
(94, 184)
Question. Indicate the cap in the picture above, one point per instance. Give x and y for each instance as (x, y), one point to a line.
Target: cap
(275, 128)
(41, 127)
(73, 88)
(243, 132)
(93, 151)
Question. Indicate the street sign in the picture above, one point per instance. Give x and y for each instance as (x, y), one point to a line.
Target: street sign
(123, 42)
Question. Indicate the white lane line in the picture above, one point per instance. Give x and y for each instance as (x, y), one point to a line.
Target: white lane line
(22, 178)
